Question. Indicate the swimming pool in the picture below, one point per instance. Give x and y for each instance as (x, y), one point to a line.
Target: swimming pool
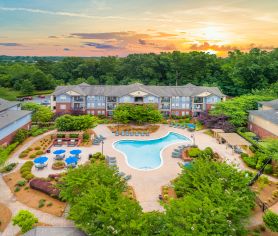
(146, 154)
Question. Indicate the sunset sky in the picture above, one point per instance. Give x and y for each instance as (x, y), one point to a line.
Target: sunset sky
(118, 27)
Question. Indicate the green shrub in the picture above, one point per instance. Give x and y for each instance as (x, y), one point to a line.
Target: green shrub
(32, 156)
(17, 189)
(261, 159)
(250, 161)
(5, 152)
(22, 155)
(271, 220)
(8, 168)
(37, 148)
(268, 169)
(49, 204)
(21, 183)
(194, 152)
(41, 203)
(242, 155)
(29, 177)
(97, 156)
(86, 136)
(73, 135)
(20, 136)
(39, 152)
(25, 220)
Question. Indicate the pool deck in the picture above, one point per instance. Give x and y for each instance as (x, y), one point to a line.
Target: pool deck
(147, 184)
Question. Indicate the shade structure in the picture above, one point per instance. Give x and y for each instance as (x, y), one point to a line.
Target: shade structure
(75, 152)
(40, 160)
(71, 160)
(59, 152)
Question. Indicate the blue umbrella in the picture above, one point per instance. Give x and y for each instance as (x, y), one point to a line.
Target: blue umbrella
(191, 126)
(58, 152)
(40, 160)
(71, 160)
(75, 152)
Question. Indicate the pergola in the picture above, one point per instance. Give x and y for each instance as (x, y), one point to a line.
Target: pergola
(216, 132)
(233, 139)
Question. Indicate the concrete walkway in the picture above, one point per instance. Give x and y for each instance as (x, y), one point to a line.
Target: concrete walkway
(7, 197)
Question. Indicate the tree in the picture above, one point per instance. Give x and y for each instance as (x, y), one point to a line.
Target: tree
(75, 123)
(25, 220)
(126, 113)
(40, 113)
(271, 220)
(214, 199)
(27, 87)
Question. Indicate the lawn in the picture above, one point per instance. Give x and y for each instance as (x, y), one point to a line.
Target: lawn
(11, 95)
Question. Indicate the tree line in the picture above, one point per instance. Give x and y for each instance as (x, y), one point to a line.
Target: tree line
(239, 73)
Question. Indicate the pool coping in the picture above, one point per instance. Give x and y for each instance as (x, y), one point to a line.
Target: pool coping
(160, 153)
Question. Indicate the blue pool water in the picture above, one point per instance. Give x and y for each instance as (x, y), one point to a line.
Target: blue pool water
(145, 154)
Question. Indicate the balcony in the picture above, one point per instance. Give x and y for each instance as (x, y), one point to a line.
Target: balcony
(165, 107)
(78, 99)
(111, 107)
(198, 100)
(112, 99)
(165, 99)
(198, 108)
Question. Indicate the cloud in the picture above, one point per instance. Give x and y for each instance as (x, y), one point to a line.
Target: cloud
(10, 44)
(100, 45)
(66, 49)
(61, 13)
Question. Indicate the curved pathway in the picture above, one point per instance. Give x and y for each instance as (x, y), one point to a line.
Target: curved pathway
(10, 201)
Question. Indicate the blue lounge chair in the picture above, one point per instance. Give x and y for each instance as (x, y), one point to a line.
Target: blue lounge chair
(147, 133)
(123, 133)
(131, 133)
(142, 133)
(116, 133)
(126, 133)
(101, 137)
(127, 177)
(137, 133)
(171, 124)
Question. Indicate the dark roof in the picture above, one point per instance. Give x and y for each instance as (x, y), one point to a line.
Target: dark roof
(273, 104)
(4, 104)
(55, 231)
(269, 115)
(10, 116)
(121, 90)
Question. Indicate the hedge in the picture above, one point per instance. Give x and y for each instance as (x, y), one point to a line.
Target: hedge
(25, 170)
(5, 152)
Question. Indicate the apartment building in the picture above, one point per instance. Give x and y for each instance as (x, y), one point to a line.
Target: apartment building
(12, 118)
(102, 99)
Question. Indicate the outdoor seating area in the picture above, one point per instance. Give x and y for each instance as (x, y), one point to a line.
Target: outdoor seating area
(177, 153)
(234, 141)
(60, 156)
(132, 133)
(67, 138)
(188, 126)
(98, 139)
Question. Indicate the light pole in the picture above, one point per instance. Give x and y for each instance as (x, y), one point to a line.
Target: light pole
(102, 142)
(193, 138)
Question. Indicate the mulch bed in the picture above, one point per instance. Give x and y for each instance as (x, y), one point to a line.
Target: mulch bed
(5, 217)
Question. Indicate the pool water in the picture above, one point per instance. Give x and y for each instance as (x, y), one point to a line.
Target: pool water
(145, 154)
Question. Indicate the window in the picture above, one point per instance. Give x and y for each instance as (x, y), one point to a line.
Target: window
(63, 107)
(183, 113)
(63, 98)
(173, 105)
(177, 105)
(187, 112)
(99, 112)
(183, 105)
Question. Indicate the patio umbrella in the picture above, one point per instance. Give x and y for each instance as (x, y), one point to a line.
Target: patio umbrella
(75, 152)
(191, 126)
(71, 160)
(40, 160)
(59, 152)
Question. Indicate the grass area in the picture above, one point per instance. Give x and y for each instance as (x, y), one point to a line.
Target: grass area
(11, 95)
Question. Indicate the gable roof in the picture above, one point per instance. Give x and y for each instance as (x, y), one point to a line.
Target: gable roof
(122, 90)
(269, 115)
(54, 230)
(10, 116)
(273, 104)
(5, 104)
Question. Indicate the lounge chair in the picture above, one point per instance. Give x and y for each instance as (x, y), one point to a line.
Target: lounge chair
(176, 155)
(112, 163)
(131, 133)
(116, 133)
(39, 166)
(72, 143)
(183, 127)
(142, 133)
(175, 125)
(127, 177)
(171, 124)
(101, 137)
(137, 133)
(59, 157)
(121, 174)
(147, 133)
(123, 133)
(126, 133)
(59, 143)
